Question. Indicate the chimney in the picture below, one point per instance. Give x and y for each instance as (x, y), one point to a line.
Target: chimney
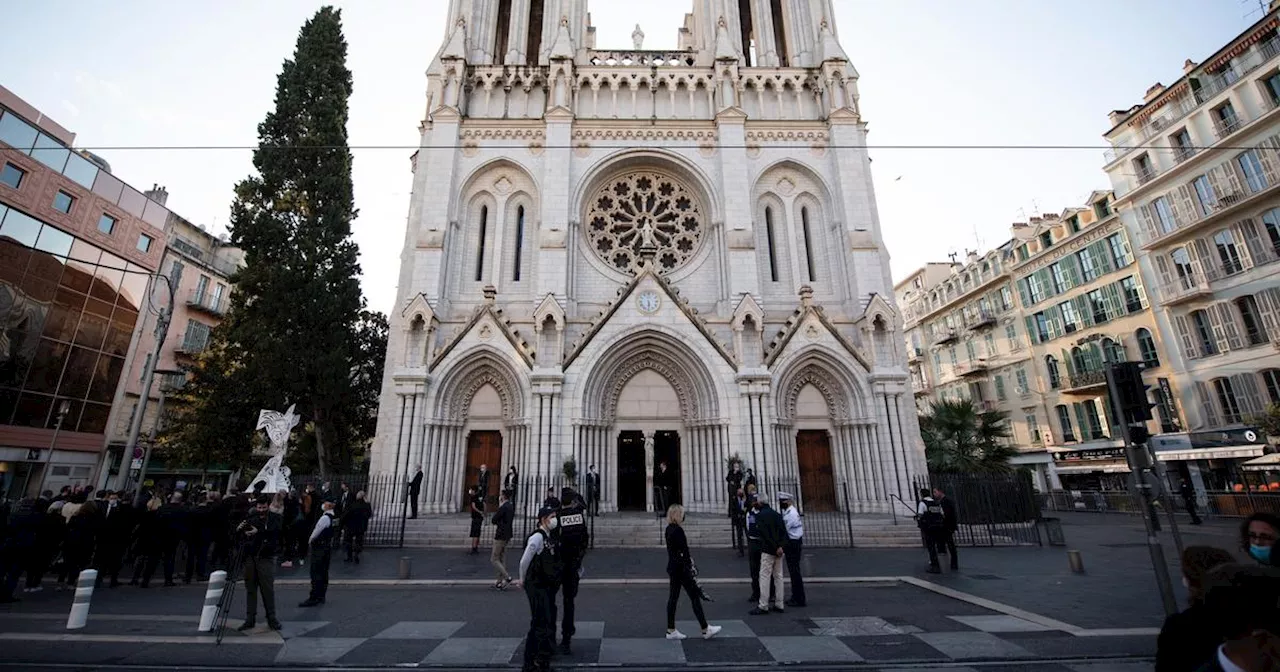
(1155, 90)
(157, 193)
(1192, 65)
(971, 256)
(1115, 117)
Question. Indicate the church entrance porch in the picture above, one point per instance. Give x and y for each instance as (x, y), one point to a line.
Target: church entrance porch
(817, 478)
(668, 485)
(483, 447)
(631, 476)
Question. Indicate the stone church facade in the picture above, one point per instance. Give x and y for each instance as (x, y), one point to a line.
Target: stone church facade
(631, 257)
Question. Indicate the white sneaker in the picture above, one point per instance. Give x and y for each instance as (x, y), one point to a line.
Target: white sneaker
(675, 634)
(711, 631)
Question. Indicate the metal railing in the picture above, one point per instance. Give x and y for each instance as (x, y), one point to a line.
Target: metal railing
(1085, 380)
(387, 495)
(207, 301)
(1212, 85)
(1219, 503)
(641, 58)
(991, 509)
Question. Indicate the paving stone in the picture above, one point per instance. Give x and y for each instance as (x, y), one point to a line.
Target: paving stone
(1000, 623)
(584, 652)
(728, 629)
(858, 626)
(641, 652)
(970, 645)
(1110, 667)
(421, 630)
(291, 629)
(809, 650)
(892, 647)
(315, 650)
(389, 652)
(1094, 646)
(473, 651)
(725, 651)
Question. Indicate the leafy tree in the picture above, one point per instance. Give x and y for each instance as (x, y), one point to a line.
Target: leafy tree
(958, 438)
(296, 330)
(1269, 421)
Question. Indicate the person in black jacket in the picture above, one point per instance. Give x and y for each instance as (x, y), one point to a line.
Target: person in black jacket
(738, 506)
(147, 546)
(682, 574)
(572, 538)
(593, 491)
(260, 534)
(502, 522)
(734, 481)
(355, 522)
(1188, 638)
(20, 544)
(1241, 600)
(773, 539)
(415, 491)
(199, 538)
(950, 523)
(118, 522)
(82, 534)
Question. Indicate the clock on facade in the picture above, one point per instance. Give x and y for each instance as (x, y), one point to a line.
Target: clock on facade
(648, 302)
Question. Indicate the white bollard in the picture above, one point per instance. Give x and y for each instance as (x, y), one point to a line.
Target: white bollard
(80, 606)
(212, 596)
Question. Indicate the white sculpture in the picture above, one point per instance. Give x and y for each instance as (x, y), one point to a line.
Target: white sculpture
(278, 425)
(637, 38)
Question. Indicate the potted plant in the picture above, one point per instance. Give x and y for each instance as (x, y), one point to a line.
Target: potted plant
(570, 470)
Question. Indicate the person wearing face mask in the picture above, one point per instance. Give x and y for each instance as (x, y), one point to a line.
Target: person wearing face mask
(773, 537)
(260, 535)
(539, 576)
(1189, 638)
(794, 547)
(1258, 536)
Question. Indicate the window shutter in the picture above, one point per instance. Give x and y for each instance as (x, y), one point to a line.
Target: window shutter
(1207, 403)
(1216, 326)
(1198, 250)
(1113, 301)
(1148, 223)
(1102, 256)
(1023, 294)
(1166, 275)
(1269, 306)
(1227, 313)
(1190, 350)
(1242, 246)
(1232, 177)
(1186, 205)
(1247, 395)
(1071, 269)
(1259, 253)
(1266, 152)
(1046, 282)
(1142, 291)
(1125, 249)
(1031, 330)
(1081, 422)
(1054, 317)
(1071, 365)
(1084, 310)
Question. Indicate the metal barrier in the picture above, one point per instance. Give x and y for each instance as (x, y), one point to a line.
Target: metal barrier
(1221, 503)
(991, 509)
(386, 494)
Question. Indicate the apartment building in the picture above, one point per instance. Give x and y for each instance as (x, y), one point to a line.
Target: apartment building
(199, 265)
(1195, 169)
(966, 339)
(1085, 306)
(77, 247)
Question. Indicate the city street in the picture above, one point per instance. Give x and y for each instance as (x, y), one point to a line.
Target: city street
(867, 608)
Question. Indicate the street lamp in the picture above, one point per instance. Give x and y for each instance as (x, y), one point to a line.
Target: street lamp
(164, 315)
(63, 409)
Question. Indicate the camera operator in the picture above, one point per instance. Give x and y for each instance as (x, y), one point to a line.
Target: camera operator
(259, 536)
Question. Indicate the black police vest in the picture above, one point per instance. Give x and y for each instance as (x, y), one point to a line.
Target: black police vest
(544, 570)
(932, 518)
(325, 540)
(573, 526)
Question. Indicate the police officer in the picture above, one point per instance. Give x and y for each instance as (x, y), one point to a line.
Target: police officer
(539, 574)
(321, 542)
(572, 539)
(753, 545)
(932, 525)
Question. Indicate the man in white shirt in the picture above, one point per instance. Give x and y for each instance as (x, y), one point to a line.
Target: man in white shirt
(794, 548)
(321, 543)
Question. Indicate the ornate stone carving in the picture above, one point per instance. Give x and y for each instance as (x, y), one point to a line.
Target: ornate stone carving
(461, 394)
(640, 208)
(826, 384)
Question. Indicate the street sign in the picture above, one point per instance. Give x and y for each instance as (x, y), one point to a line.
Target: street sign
(33, 454)
(136, 463)
(137, 453)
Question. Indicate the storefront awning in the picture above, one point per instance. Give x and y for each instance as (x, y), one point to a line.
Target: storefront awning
(1230, 453)
(1265, 463)
(1106, 467)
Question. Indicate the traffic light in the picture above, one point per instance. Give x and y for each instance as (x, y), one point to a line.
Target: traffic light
(1130, 394)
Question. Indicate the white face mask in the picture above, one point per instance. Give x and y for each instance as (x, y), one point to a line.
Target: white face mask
(553, 523)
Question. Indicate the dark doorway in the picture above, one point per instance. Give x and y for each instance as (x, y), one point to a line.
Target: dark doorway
(631, 476)
(666, 448)
(817, 480)
(484, 448)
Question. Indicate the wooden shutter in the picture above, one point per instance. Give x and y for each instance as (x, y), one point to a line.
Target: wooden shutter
(1083, 310)
(1071, 365)
(1208, 404)
(1232, 177)
(1201, 260)
(1218, 329)
(1142, 291)
(1148, 223)
(1085, 433)
(1259, 252)
(1054, 317)
(1242, 247)
(1190, 349)
(1023, 293)
(1268, 301)
(1245, 386)
(1114, 302)
(1166, 274)
(1266, 151)
(1102, 255)
(1230, 326)
(1186, 204)
(1032, 332)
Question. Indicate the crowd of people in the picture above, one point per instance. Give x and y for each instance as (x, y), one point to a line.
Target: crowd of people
(186, 534)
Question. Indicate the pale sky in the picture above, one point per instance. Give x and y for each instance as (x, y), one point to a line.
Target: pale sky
(135, 73)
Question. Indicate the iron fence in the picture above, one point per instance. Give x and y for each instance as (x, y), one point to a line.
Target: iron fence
(532, 492)
(387, 495)
(991, 509)
(823, 504)
(1223, 503)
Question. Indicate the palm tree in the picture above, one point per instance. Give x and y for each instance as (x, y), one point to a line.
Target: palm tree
(959, 438)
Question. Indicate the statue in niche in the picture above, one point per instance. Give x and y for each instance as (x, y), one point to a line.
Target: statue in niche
(637, 38)
(275, 476)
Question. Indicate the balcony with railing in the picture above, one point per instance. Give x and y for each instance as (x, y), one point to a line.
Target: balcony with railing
(1146, 175)
(1181, 154)
(1084, 382)
(1212, 85)
(1183, 289)
(1225, 127)
(207, 301)
(192, 345)
(977, 367)
(945, 337)
(1230, 188)
(1172, 112)
(914, 354)
(921, 388)
(982, 320)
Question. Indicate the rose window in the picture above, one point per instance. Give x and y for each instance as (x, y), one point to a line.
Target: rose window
(632, 210)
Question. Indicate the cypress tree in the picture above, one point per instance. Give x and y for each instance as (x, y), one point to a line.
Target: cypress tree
(296, 306)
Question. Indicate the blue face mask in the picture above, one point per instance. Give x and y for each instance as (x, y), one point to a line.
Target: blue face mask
(1260, 553)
